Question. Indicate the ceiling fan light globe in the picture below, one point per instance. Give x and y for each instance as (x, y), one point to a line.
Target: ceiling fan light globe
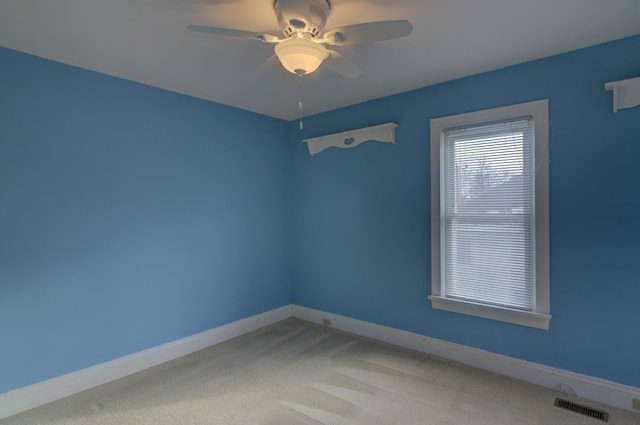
(300, 55)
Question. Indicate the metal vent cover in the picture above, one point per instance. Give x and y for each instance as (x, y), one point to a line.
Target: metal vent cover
(583, 410)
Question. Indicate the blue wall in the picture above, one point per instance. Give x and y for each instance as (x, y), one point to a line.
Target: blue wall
(129, 217)
(361, 216)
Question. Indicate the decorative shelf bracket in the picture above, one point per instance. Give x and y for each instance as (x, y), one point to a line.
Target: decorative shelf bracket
(384, 133)
(626, 93)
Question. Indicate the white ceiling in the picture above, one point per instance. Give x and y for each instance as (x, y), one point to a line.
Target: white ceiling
(148, 41)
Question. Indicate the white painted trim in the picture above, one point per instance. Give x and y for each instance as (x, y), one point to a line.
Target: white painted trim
(25, 398)
(539, 110)
(524, 318)
(600, 390)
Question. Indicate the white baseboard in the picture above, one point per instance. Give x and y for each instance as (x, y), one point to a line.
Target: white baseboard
(600, 390)
(588, 387)
(25, 398)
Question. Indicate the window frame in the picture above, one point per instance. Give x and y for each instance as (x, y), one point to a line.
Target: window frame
(540, 316)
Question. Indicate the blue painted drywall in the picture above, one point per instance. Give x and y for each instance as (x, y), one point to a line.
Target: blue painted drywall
(361, 216)
(129, 217)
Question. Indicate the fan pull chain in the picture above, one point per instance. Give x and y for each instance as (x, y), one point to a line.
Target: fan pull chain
(300, 99)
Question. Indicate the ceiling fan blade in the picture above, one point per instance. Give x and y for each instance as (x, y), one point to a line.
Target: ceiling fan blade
(369, 32)
(342, 65)
(226, 32)
(295, 10)
(269, 67)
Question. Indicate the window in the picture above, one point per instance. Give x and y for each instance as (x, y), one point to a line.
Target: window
(490, 214)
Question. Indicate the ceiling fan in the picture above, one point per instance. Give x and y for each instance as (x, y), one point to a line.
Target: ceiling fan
(302, 50)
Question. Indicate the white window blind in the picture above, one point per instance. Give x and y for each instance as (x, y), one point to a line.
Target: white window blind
(487, 200)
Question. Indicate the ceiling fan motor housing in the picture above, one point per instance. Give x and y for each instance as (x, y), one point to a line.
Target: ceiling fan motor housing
(310, 26)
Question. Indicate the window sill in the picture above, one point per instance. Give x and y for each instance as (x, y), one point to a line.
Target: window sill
(518, 317)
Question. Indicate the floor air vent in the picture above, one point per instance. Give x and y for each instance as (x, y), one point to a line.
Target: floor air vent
(583, 410)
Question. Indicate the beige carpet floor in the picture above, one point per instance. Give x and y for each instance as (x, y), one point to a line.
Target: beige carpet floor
(298, 373)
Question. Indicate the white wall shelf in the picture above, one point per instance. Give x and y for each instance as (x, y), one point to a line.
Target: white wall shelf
(626, 93)
(384, 133)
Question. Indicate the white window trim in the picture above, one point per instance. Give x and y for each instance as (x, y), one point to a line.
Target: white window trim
(540, 316)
